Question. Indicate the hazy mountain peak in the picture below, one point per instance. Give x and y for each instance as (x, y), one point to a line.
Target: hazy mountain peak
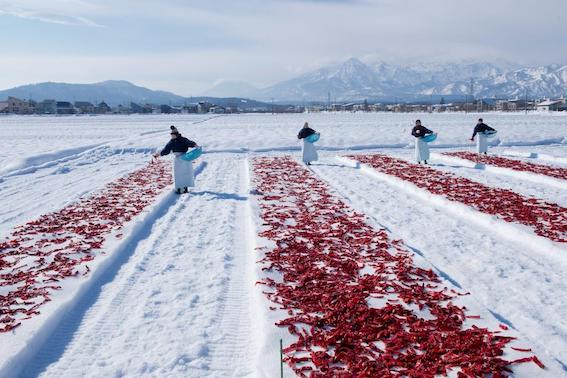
(116, 83)
(232, 88)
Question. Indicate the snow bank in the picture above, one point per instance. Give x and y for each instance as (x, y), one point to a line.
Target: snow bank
(33, 162)
(23, 137)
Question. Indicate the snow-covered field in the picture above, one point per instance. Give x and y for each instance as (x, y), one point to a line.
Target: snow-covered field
(176, 294)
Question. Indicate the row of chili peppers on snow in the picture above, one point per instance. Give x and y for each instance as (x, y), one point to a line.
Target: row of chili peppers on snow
(516, 165)
(547, 219)
(38, 255)
(355, 301)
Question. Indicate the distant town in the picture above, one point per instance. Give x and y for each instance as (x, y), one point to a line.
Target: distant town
(13, 105)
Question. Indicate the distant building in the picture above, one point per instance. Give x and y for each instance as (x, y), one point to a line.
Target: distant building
(189, 109)
(377, 107)
(399, 108)
(204, 107)
(121, 109)
(550, 105)
(441, 108)
(506, 106)
(313, 108)
(168, 109)
(349, 107)
(46, 107)
(140, 109)
(3, 107)
(65, 107)
(485, 104)
(84, 107)
(17, 106)
(103, 108)
(217, 110)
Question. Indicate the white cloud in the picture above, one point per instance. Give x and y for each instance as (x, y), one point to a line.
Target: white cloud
(62, 12)
(264, 41)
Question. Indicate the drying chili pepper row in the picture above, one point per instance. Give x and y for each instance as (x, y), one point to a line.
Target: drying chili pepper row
(356, 302)
(547, 219)
(43, 252)
(517, 165)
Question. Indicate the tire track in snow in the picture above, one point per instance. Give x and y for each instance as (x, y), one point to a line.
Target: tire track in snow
(33, 163)
(519, 288)
(169, 310)
(232, 353)
(28, 196)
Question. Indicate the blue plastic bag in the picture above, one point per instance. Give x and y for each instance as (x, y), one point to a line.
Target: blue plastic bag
(429, 138)
(313, 138)
(490, 133)
(193, 154)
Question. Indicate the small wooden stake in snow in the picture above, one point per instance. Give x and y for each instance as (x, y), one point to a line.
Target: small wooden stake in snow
(281, 358)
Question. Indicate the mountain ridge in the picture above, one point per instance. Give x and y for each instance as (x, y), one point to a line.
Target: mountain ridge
(351, 80)
(113, 92)
(117, 92)
(355, 80)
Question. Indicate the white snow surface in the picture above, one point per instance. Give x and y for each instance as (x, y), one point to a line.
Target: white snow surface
(177, 296)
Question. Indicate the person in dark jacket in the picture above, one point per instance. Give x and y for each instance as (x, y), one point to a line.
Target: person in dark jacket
(421, 147)
(308, 149)
(182, 169)
(482, 142)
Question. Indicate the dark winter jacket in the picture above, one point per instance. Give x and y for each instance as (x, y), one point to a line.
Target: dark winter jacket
(420, 131)
(481, 128)
(305, 132)
(179, 144)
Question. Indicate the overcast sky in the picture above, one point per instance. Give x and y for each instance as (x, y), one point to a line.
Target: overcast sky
(186, 46)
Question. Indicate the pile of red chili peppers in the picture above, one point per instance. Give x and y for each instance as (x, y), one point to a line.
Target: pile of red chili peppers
(43, 252)
(517, 165)
(356, 302)
(547, 219)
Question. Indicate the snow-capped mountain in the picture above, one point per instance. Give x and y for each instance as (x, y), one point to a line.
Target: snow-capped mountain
(351, 79)
(543, 81)
(356, 80)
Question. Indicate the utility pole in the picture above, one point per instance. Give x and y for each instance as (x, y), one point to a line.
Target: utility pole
(526, 101)
(471, 91)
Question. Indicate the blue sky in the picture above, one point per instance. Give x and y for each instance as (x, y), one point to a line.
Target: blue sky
(187, 46)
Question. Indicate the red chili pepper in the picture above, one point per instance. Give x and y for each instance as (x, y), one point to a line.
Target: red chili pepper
(547, 219)
(517, 165)
(55, 245)
(522, 349)
(321, 247)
